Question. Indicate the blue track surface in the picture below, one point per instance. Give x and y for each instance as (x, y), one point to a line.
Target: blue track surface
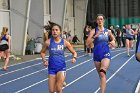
(31, 77)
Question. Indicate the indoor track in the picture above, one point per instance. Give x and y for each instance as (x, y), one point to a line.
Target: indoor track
(31, 76)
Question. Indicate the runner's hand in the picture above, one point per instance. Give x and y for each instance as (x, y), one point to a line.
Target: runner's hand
(97, 34)
(112, 44)
(73, 60)
(45, 63)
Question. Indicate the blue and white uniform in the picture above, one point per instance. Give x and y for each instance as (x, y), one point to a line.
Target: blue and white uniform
(138, 42)
(4, 38)
(56, 58)
(129, 34)
(101, 48)
(4, 43)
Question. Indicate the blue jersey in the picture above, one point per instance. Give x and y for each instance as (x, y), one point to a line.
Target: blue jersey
(129, 33)
(138, 42)
(103, 37)
(101, 48)
(56, 52)
(4, 38)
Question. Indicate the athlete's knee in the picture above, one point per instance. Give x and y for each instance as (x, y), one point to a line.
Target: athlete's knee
(102, 73)
(51, 90)
(59, 87)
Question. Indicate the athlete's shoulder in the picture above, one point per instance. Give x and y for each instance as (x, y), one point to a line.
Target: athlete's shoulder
(65, 41)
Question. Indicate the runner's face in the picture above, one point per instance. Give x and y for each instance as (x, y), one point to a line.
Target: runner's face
(111, 27)
(100, 20)
(129, 26)
(55, 31)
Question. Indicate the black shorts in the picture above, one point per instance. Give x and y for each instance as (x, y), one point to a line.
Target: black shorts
(129, 38)
(4, 47)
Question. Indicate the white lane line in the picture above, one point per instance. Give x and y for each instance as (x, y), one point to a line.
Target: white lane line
(21, 63)
(47, 57)
(22, 77)
(19, 69)
(47, 78)
(32, 74)
(32, 85)
(79, 78)
(118, 54)
(32, 60)
(88, 72)
(138, 88)
(32, 66)
(66, 55)
(79, 64)
(116, 72)
(117, 50)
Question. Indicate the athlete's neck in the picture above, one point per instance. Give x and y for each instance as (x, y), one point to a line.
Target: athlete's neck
(57, 39)
(101, 28)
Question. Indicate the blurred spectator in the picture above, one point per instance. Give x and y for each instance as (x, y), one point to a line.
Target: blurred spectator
(112, 30)
(129, 38)
(86, 33)
(123, 36)
(118, 36)
(65, 35)
(75, 39)
(69, 36)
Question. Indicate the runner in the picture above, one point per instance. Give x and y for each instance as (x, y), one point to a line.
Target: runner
(101, 52)
(56, 62)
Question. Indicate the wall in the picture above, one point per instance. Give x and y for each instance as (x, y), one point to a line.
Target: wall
(18, 23)
(36, 21)
(58, 8)
(18, 20)
(47, 15)
(69, 19)
(80, 7)
(4, 20)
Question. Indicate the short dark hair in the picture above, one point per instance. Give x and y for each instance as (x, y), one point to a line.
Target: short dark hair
(100, 15)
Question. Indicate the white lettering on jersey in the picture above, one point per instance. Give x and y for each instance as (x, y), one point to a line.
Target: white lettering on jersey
(60, 47)
(106, 33)
(108, 54)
